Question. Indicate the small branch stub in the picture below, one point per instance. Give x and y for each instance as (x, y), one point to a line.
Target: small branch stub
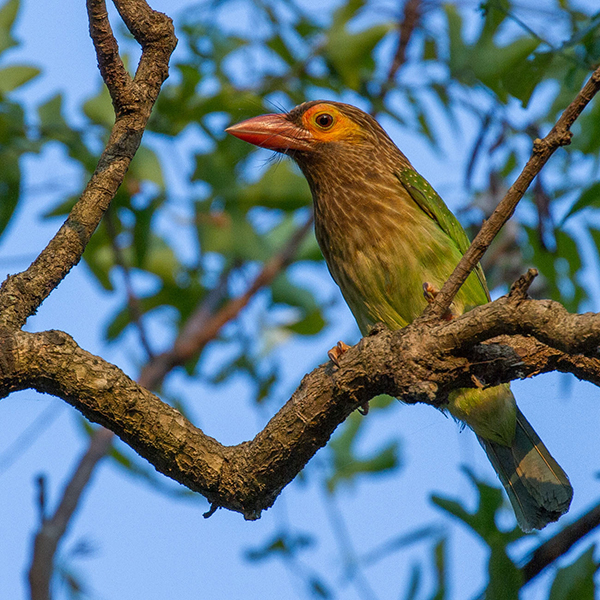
(518, 290)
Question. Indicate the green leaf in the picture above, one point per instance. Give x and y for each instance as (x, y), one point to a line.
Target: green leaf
(278, 45)
(350, 54)
(523, 78)
(345, 12)
(146, 166)
(99, 109)
(589, 198)
(53, 126)
(495, 12)
(10, 186)
(277, 237)
(318, 588)
(281, 186)
(348, 465)
(414, 583)
(8, 14)
(15, 76)
(439, 555)
(283, 291)
(483, 520)
(430, 49)
(586, 130)
(218, 168)
(504, 577)
(492, 64)
(577, 579)
(311, 324)
(230, 234)
(283, 543)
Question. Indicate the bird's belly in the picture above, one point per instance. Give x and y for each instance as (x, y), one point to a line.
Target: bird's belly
(382, 278)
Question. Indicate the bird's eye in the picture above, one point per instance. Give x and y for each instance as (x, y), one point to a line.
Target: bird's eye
(324, 120)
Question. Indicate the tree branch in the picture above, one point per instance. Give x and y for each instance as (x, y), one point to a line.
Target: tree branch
(411, 14)
(22, 294)
(193, 338)
(559, 135)
(52, 530)
(420, 363)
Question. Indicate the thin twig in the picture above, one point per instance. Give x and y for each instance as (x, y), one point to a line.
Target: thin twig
(552, 549)
(133, 302)
(407, 24)
(352, 567)
(560, 135)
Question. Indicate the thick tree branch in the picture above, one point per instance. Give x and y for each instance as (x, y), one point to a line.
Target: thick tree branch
(420, 363)
(560, 135)
(22, 294)
(193, 338)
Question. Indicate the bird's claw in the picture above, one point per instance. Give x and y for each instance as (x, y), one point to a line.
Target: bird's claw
(429, 293)
(336, 352)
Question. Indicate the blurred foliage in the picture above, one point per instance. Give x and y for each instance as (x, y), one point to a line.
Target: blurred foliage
(505, 580)
(509, 68)
(15, 139)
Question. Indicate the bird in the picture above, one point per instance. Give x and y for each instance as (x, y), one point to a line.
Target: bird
(390, 242)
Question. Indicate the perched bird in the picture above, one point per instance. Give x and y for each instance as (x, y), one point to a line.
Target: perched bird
(387, 236)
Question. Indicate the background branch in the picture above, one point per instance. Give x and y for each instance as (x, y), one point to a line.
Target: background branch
(561, 543)
(53, 529)
(408, 22)
(204, 325)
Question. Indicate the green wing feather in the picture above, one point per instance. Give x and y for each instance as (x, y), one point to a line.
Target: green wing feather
(429, 201)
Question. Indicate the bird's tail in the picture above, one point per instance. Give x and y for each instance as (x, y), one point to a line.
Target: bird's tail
(538, 489)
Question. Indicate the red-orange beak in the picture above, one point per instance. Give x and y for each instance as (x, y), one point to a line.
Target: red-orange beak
(274, 132)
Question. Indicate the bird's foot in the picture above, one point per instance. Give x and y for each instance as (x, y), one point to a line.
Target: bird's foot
(334, 356)
(429, 293)
(336, 352)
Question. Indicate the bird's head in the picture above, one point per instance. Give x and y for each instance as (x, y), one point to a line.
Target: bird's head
(321, 131)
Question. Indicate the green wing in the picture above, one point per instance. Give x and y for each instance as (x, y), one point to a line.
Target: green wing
(429, 201)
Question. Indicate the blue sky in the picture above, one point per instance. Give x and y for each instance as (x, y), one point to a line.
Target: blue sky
(149, 546)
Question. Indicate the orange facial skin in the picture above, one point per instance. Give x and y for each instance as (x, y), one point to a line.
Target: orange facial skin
(328, 124)
(322, 122)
